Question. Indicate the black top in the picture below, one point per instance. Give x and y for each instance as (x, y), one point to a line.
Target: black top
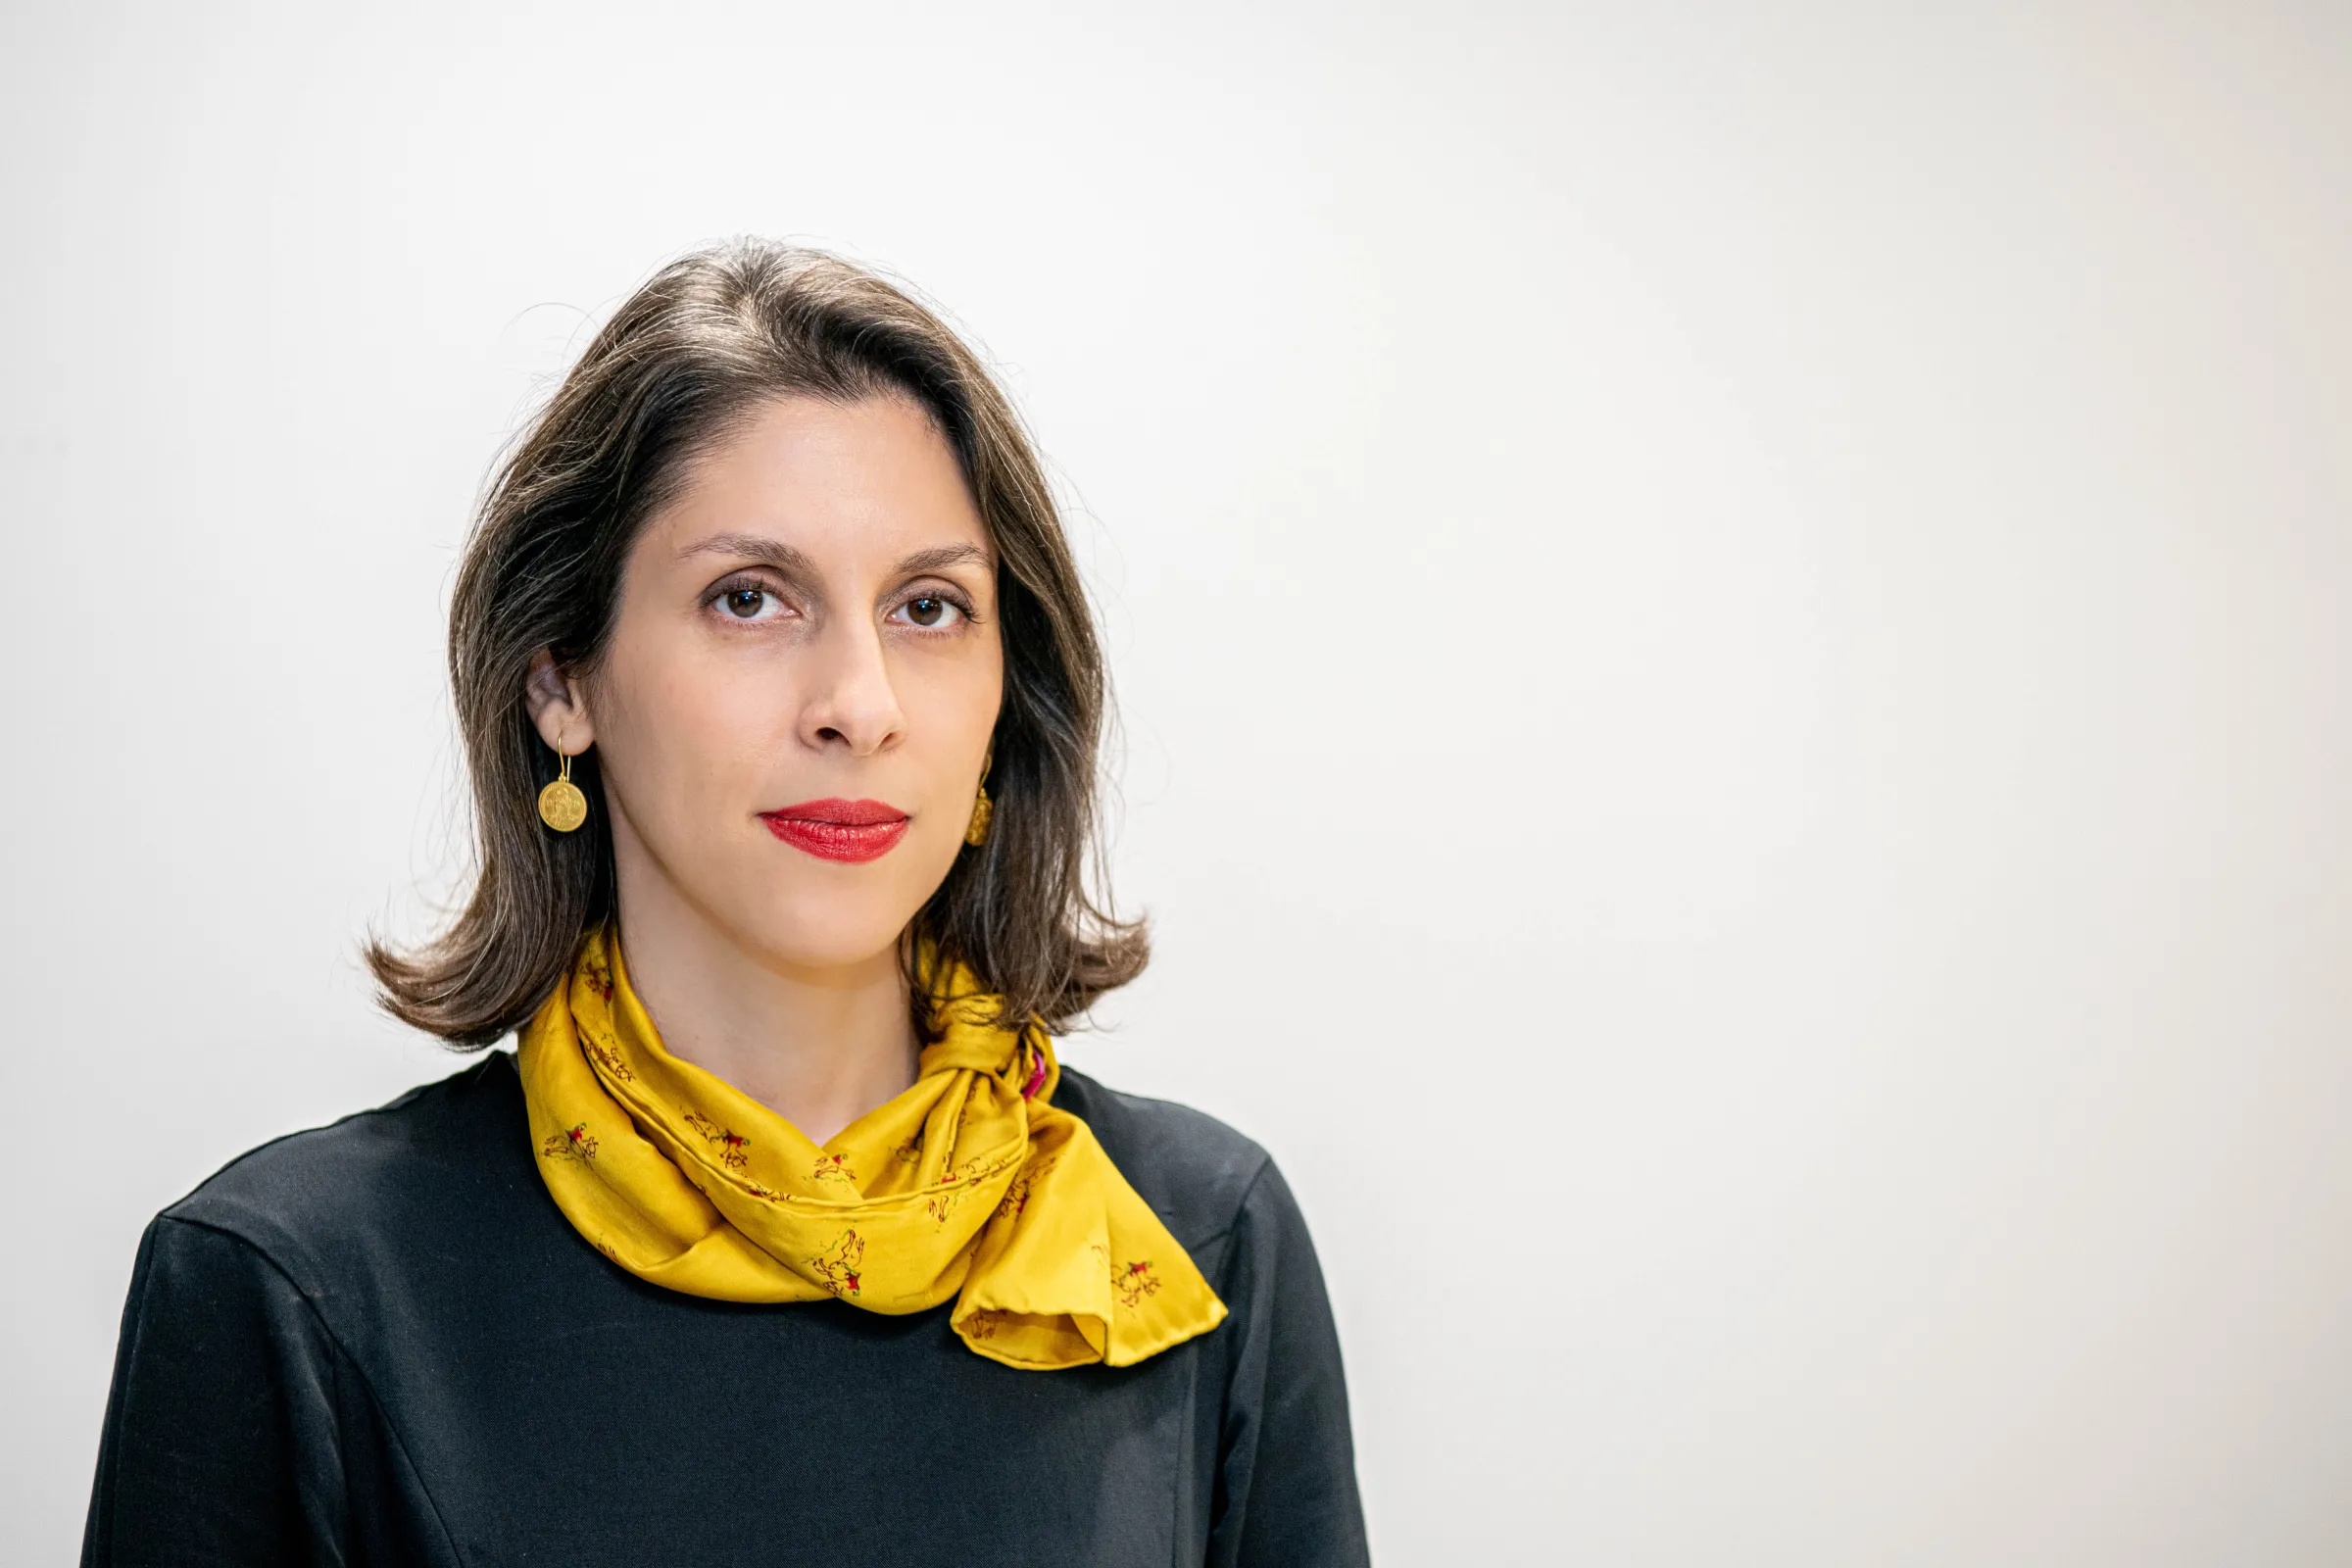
(380, 1342)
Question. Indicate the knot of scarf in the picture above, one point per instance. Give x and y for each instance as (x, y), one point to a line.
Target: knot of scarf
(969, 1185)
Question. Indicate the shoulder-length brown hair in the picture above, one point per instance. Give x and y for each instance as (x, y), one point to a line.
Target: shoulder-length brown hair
(707, 340)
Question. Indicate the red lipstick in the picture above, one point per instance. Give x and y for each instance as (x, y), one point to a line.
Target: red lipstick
(839, 830)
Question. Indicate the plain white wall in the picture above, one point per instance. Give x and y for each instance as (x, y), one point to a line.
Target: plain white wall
(1731, 626)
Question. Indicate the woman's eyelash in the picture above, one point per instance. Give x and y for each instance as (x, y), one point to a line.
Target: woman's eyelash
(946, 596)
(728, 589)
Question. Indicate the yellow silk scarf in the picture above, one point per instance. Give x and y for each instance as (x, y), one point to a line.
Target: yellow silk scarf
(970, 1183)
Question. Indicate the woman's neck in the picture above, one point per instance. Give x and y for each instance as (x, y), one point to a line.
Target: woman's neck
(819, 1048)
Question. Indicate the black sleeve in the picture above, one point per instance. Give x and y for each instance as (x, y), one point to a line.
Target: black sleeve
(1285, 1492)
(231, 1421)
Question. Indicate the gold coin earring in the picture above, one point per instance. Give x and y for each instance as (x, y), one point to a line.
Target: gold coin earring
(975, 832)
(561, 805)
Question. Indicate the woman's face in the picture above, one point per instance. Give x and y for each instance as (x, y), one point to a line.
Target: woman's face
(800, 685)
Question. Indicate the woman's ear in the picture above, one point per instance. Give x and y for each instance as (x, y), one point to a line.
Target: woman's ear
(559, 706)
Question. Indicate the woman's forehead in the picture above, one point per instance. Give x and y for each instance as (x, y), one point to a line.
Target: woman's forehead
(806, 477)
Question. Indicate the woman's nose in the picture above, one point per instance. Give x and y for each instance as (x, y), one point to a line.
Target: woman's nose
(853, 701)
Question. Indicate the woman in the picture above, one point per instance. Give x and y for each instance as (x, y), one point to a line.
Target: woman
(781, 1236)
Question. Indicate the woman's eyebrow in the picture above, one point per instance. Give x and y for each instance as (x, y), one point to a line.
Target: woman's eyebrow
(753, 547)
(943, 556)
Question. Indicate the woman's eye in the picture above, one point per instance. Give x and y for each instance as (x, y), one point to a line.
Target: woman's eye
(930, 612)
(743, 603)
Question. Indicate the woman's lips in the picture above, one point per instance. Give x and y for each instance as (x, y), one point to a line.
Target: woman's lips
(839, 830)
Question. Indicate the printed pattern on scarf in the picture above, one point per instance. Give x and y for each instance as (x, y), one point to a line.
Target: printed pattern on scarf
(598, 975)
(957, 1185)
(607, 1058)
(1134, 1282)
(1016, 1195)
(731, 1144)
(574, 1142)
(839, 1266)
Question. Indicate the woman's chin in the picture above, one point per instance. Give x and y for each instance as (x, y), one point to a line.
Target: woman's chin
(824, 936)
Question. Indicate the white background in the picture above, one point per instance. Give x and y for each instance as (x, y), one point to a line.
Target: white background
(1731, 626)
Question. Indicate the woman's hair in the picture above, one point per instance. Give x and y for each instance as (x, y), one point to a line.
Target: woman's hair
(690, 356)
